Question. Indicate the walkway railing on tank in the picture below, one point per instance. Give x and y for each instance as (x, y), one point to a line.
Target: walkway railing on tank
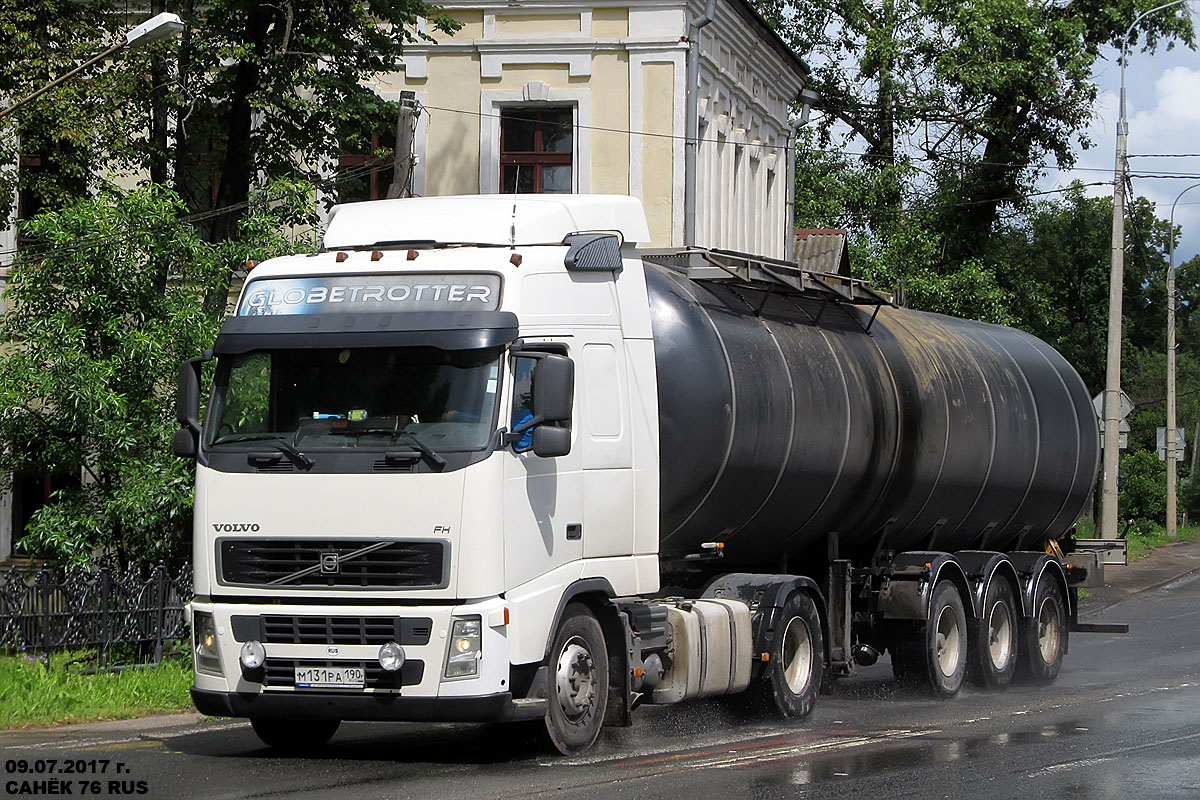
(114, 617)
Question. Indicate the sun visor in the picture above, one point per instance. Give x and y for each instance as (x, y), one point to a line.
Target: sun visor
(445, 330)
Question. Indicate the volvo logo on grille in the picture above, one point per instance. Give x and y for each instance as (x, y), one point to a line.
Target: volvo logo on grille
(330, 563)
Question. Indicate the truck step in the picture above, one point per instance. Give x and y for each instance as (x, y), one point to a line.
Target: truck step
(529, 708)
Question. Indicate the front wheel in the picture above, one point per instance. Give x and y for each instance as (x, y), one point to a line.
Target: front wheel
(1044, 634)
(578, 691)
(788, 686)
(295, 735)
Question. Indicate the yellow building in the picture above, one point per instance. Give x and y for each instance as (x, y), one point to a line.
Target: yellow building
(556, 95)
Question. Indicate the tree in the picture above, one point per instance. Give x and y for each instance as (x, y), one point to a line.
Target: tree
(973, 97)
(250, 89)
(92, 344)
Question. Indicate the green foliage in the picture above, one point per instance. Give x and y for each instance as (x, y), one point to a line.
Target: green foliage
(1143, 487)
(99, 315)
(32, 695)
(937, 117)
(249, 90)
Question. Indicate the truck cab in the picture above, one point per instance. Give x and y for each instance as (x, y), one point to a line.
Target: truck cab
(400, 484)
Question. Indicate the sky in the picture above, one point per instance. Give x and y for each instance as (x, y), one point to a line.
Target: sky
(1163, 106)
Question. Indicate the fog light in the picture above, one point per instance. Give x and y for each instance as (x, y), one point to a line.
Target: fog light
(391, 657)
(253, 655)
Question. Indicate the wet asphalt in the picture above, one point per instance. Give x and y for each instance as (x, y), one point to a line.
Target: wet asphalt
(1121, 721)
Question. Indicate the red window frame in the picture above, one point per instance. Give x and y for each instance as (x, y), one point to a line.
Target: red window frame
(536, 158)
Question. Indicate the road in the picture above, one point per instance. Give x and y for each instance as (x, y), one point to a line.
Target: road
(1122, 721)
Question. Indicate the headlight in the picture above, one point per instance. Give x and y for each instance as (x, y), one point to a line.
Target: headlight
(466, 648)
(206, 653)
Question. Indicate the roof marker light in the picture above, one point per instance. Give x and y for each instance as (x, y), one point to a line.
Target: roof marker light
(251, 265)
(376, 255)
(340, 257)
(412, 255)
(515, 259)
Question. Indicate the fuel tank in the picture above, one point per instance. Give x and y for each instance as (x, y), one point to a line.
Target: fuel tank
(782, 419)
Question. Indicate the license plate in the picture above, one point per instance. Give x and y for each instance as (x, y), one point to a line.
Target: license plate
(330, 678)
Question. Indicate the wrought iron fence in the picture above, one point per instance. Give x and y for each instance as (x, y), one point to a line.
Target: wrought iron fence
(46, 611)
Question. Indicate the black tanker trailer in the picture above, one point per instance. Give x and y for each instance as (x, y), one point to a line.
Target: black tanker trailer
(921, 471)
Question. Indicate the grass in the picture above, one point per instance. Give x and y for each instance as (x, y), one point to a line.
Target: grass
(31, 695)
(1142, 541)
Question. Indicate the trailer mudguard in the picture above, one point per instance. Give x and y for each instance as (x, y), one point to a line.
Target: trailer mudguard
(909, 582)
(982, 567)
(1034, 567)
(765, 595)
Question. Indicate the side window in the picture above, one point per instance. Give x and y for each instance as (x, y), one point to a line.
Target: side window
(522, 401)
(524, 368)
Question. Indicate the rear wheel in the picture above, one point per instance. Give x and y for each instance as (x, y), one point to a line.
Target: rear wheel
(578, 691)
(994, 637)
(788, 685)
(1044, 634)
(295, 735)
(935, 654)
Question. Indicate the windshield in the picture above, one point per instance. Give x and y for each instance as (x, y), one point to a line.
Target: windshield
(377, 398)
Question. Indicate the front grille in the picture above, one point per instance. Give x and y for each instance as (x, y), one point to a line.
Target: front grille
(331, 562)
(282, 672)
(287, 629)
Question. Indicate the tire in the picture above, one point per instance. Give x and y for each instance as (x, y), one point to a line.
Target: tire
(1044, 634)
(994, 638)
(908, 657)
(787, 687)
(935, 654)
(295, 736)
(578, 690)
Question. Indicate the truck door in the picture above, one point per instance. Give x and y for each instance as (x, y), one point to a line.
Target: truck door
(543, 497)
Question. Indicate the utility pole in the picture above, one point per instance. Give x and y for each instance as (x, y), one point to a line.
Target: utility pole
(1112, 374)
(403, 161)
(1116, 280)
(1171, 494)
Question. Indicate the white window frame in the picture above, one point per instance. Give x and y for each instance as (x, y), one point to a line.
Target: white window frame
(535, 94)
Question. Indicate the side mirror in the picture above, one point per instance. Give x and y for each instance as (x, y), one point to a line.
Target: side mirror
(553, 389)
(184, 443)
(551, 442)
(187, 407)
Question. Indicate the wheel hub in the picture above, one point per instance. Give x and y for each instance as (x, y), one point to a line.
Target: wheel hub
(575, 679)
(1048, 631)
(797, 655)
(948, 642)
(1000, 636)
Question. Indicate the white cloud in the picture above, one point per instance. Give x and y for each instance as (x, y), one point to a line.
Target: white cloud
(1163, 107)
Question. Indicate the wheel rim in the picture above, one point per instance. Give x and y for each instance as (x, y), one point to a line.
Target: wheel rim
(797, 655)
(1000, 635)
(1048, 627)
(949, 641)
(575, 677)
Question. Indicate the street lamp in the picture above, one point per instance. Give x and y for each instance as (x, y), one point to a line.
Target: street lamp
(154, 29)
(1116, 280)
(1171, 370)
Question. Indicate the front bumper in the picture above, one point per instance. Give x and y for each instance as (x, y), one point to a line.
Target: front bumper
(418, 691)
(391, 707)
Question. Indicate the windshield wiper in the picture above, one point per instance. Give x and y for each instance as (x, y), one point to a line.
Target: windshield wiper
(280, 443)
(423, 449)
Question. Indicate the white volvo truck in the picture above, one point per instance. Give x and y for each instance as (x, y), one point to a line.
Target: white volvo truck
(481, 458)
